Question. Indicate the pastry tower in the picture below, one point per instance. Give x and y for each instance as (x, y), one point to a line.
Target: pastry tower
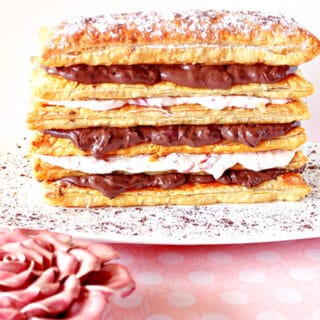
(187, 108)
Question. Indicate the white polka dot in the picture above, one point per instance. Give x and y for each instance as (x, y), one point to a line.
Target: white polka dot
(129, 302)
(201, 277)
(313, 254)
(214, 316)
(181, 299)
(316, 315)
(234, 297)
(303, 274)
(219, 257)
(171, 258)
(269, 257)
(270, 315)
(288, 295)
(252, 276)
(151, 278)
(158, 317)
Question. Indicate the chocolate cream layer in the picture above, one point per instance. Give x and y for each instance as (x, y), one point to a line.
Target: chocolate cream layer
(195, 75)
(101, 140)
(112, 185)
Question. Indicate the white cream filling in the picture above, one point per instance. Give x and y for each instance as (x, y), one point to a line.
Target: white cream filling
(214, 164)
(210, 102)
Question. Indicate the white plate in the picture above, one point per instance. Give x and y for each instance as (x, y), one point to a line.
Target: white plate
(21, 206)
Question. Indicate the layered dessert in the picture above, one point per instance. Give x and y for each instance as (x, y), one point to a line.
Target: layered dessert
(187, 108)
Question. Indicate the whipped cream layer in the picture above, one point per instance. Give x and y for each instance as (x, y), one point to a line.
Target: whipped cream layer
(210, 102)
(214, 164)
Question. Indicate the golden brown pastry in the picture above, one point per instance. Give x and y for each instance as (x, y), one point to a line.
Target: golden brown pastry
(171, 108)
(47, 117)
(46, 144)
(55, 88)
(288, 187)
(208, 37)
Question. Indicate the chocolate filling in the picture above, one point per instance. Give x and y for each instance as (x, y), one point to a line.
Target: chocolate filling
(195, 75)
(99, 141)
(112, 185)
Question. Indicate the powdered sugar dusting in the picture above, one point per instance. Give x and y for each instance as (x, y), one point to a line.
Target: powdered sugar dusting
(194, 25)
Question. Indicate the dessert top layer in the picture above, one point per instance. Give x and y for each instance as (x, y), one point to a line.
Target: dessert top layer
(211, 37)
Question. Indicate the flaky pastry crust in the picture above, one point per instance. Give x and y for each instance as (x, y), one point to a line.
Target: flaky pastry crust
(289, 187)
(209, 37)
(56, 117)
(51, 87)
(45, 171)
(47, 145)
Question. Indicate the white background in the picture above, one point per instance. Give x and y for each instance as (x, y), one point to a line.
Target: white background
(20, 21)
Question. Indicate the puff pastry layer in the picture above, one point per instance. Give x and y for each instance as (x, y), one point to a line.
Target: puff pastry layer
(48, 145)
(47, 117)
(45, 171)
(289, 187)
(49, 87)
(209, 37)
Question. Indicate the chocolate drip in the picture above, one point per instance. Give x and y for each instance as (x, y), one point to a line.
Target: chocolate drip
(112, 185)
(99, 141)
(195, 76)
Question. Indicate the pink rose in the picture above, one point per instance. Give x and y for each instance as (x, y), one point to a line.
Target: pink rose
(47, 275)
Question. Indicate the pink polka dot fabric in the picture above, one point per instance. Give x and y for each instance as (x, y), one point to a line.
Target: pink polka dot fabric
(271, 281)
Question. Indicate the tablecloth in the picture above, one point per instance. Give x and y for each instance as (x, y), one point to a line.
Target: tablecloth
(265, 281)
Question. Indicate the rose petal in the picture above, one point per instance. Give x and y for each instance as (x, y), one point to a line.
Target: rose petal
(91, 305)
(42, 248)
(11, 314)
(60, 239)
(5, 275)
(6, 256)
(44, 286)
(19, 248)
(112, 277)
(17, 280)
(12, 236)
(19, 298)
(103, 251)
(13, 266)
(81, 243)
(48, 275)
(57, 240)
(88, 262)
(46, 282)
(56, 304)
(66, 263)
